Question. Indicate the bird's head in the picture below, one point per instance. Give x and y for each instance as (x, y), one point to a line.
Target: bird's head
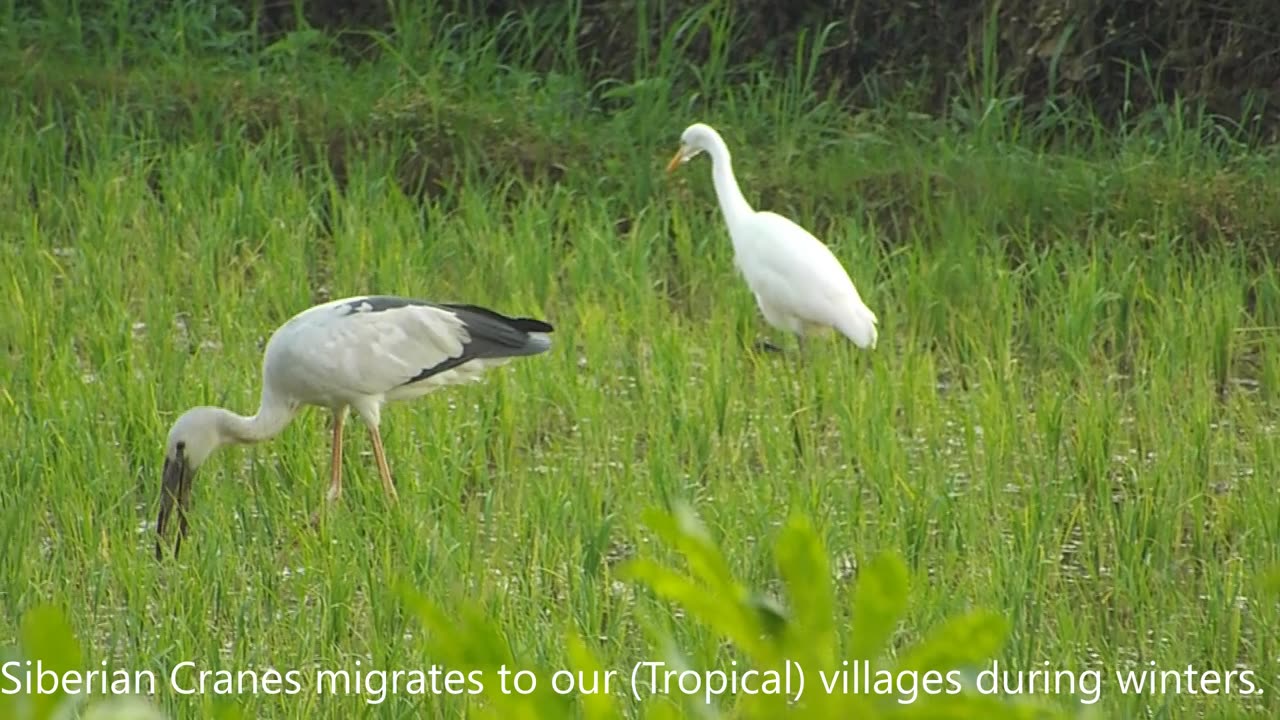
(195, 435)
(695, 140)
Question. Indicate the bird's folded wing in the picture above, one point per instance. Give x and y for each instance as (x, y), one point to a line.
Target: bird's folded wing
(373, 353)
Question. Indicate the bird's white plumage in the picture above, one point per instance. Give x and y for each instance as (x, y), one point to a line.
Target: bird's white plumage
(799, 284)
(330, 356)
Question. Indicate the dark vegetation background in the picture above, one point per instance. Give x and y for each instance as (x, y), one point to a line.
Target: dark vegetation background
(1043, 83)
(1121, 57)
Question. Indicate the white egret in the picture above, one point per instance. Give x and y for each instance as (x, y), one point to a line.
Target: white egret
(351, 354)
(799, 284)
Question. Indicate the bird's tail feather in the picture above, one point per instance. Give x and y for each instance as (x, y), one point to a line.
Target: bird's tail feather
(860, 327)
(539, 342)
(531, 325)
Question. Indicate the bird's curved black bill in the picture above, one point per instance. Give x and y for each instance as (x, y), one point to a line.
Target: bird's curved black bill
(175, 491)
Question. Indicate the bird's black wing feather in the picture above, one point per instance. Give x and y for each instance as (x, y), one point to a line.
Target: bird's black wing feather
(380, 303)
(526, 325)
(491, 335)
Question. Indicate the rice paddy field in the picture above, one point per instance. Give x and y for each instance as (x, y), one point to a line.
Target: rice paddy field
(1061, 456)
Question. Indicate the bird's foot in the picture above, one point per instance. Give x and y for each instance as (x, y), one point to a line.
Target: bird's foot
(317, 517)
(331, 497)
(766, 346)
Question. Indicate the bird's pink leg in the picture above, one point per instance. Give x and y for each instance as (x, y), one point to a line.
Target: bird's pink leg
(383, 470)
(335, 478)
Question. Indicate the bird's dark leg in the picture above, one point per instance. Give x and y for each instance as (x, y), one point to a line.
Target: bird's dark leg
(381, 457)
(767, 346)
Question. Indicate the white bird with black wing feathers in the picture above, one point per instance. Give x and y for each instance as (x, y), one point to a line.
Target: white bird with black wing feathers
(799, 284)
(356, 354)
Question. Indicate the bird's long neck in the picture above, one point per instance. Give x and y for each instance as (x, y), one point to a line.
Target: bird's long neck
(273, 415)
(732, 203)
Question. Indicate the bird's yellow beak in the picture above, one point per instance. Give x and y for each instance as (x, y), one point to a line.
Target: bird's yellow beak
(676, 160)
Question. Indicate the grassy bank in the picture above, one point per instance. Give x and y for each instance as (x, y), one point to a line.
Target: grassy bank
(1071, 418)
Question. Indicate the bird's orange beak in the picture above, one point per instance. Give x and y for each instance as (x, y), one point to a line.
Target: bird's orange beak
(675, 162)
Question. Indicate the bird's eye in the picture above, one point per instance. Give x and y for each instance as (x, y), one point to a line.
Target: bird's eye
(182, 445)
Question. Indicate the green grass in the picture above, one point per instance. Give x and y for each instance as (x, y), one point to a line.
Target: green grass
(1072, 417)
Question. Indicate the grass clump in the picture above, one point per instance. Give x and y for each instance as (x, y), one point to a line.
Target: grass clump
(784, 650)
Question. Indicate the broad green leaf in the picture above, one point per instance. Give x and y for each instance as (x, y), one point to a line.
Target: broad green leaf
(10, 705)
(471, 641)
(1271, 581)
(771, 615)
(973, 706)
(674, 660)
(879, 601)
(123, 708)
(660, 707)
(803, 564)
(227, 710)
(969, 640)
(484, 644)
(598, 705)
(686, 533)
(760, 705)
(725, 615)
(47, 639)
